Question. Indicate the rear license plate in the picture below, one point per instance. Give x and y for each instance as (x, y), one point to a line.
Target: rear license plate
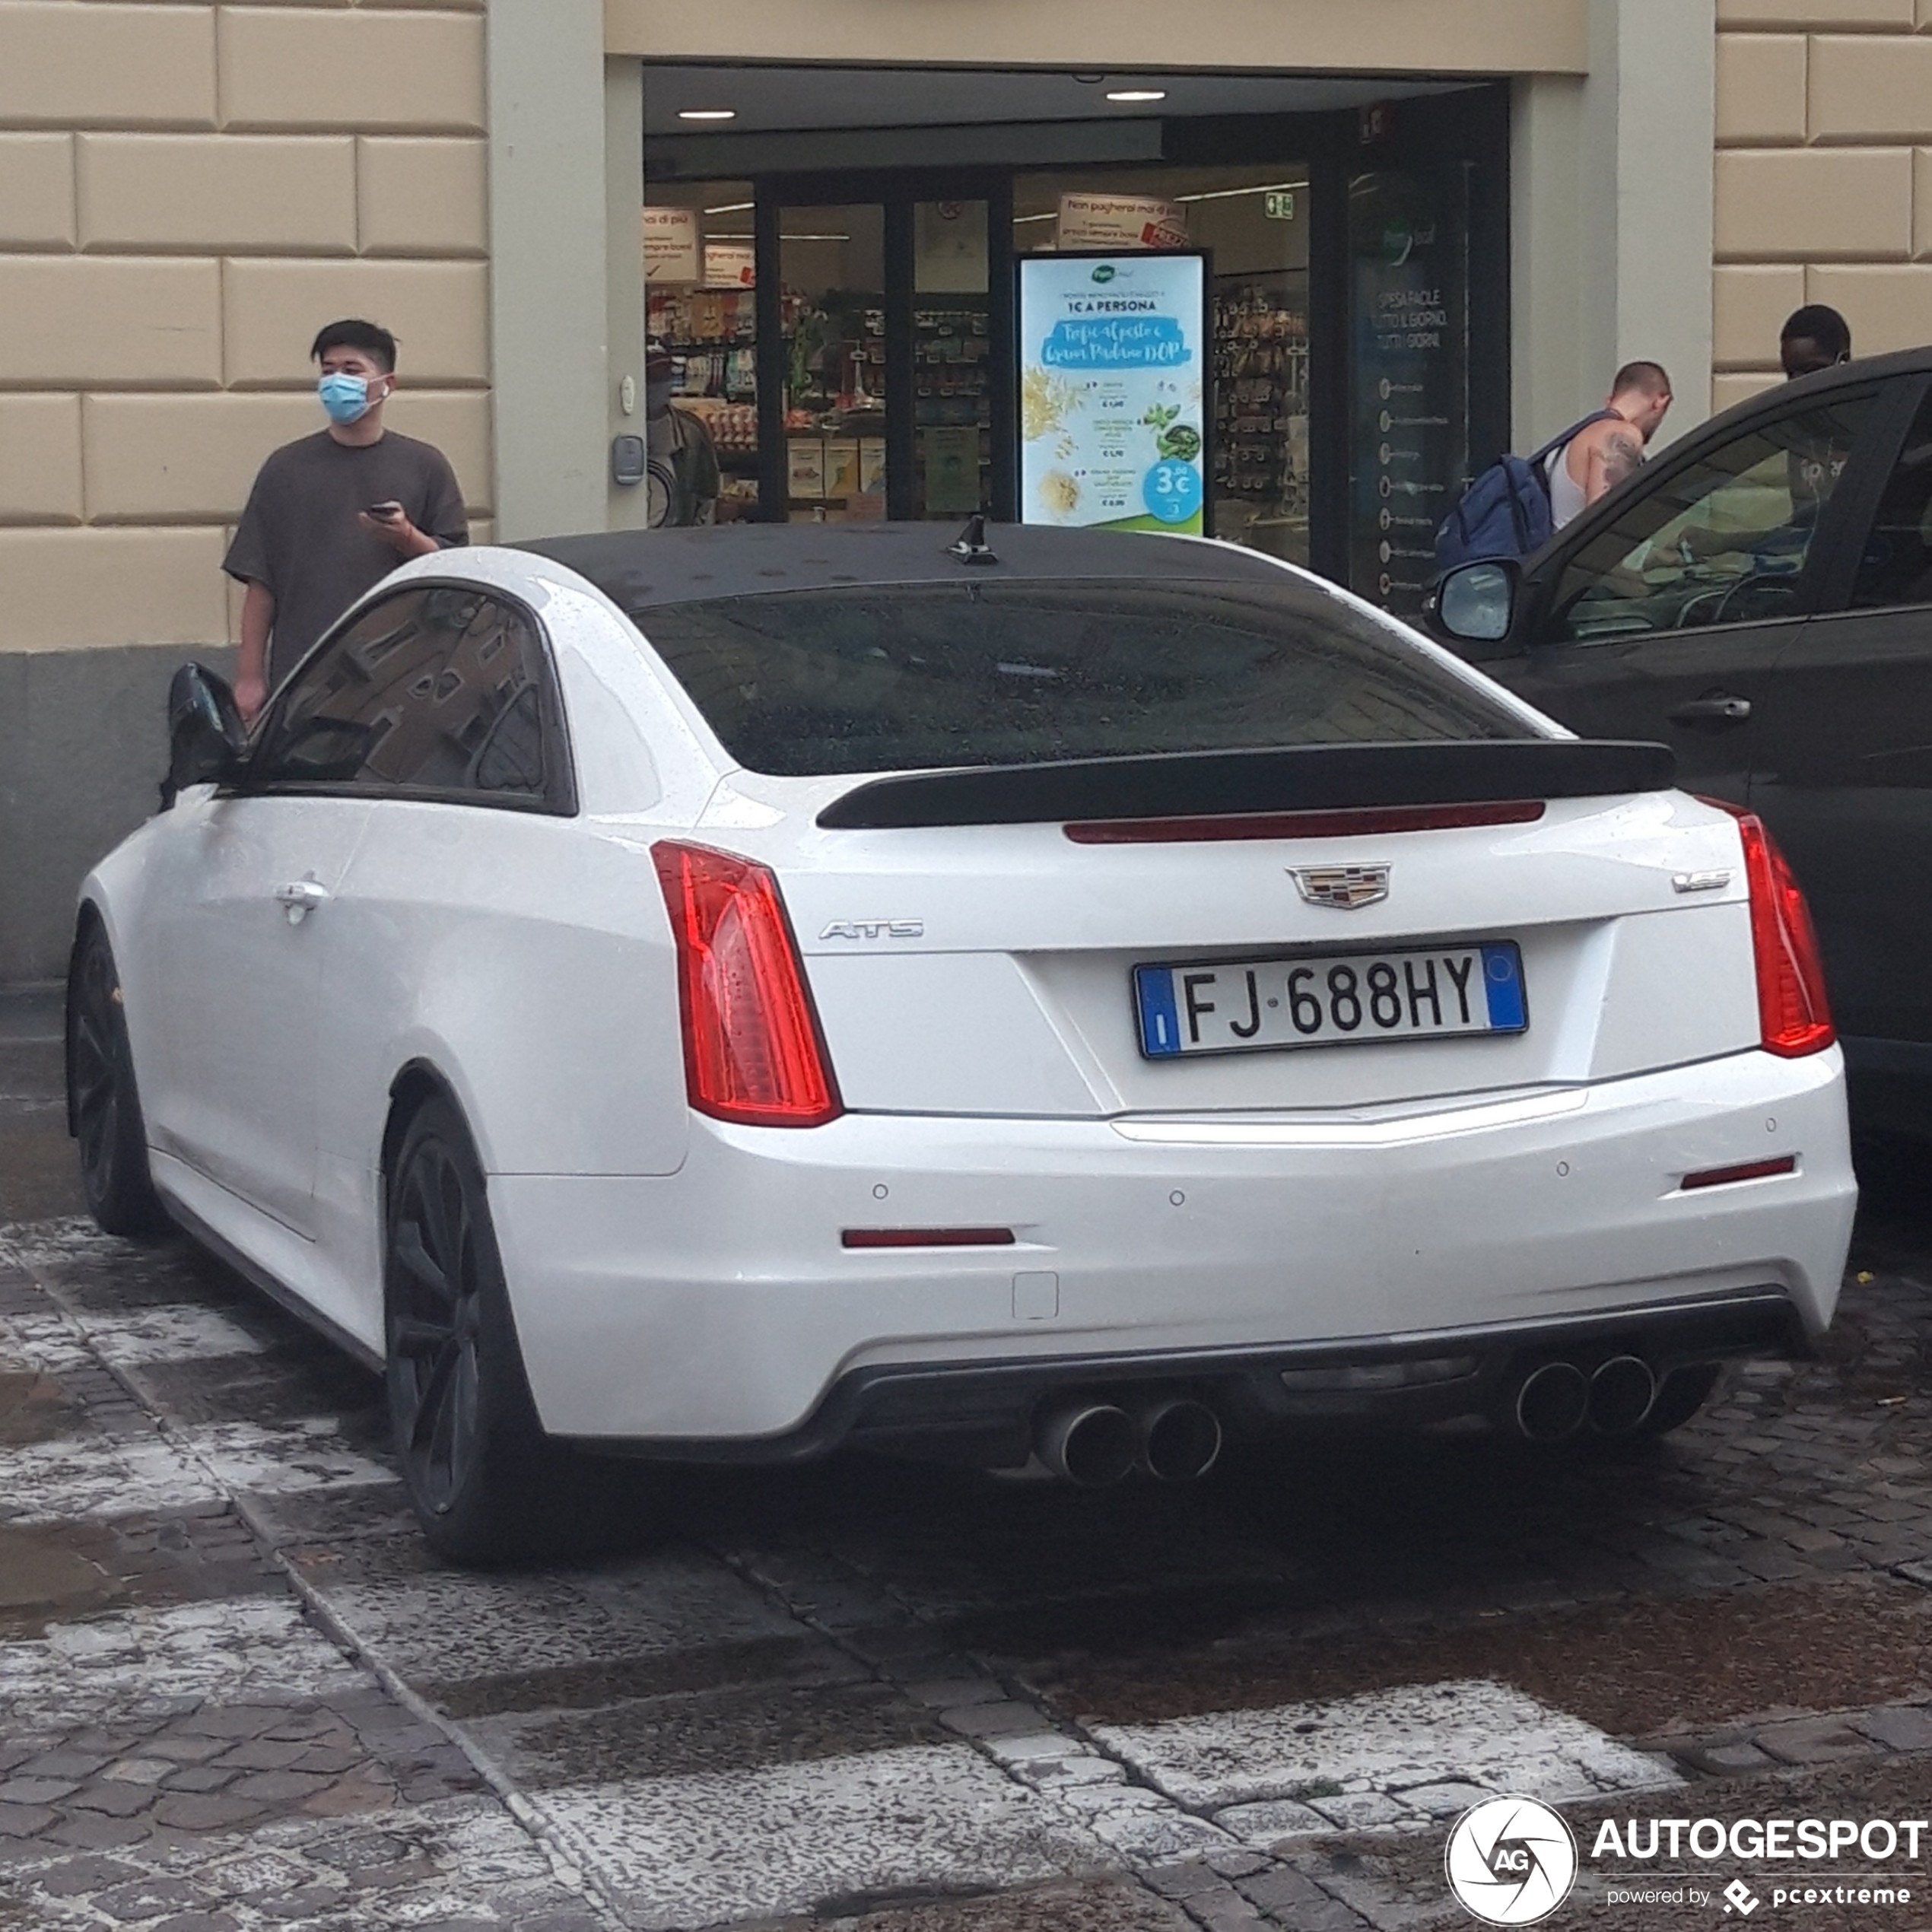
(1242, 1006)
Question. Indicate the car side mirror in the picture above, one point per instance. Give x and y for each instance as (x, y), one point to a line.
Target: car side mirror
(206, 739)
(1475, 603)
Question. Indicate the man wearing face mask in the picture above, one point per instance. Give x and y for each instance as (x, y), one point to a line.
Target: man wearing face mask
(682, 475)
(334, 513)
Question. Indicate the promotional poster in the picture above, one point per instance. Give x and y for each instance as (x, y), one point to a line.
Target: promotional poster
(1113, 380)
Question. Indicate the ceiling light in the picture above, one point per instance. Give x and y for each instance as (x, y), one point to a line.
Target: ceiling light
(707, 113)
(1050, 215)
(731, 207)
(1137, 94)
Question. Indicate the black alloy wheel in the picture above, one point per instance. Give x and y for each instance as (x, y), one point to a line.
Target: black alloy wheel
(104, 1107)
(480, 1474)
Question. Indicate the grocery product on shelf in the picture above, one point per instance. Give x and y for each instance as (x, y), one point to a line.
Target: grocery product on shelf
(734, 426)
(1260, 452)
(953, 404)
(711, 337)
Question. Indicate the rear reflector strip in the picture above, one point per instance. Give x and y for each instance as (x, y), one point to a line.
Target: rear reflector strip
(1370, 822)
(1750, 1170)
(927, 1237)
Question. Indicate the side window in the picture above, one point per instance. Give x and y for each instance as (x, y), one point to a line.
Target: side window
(443, 691)
(1719, 541)
(1896, 567)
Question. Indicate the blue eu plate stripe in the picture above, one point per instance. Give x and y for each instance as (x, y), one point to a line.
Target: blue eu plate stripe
(1502, 980)
(1160, 1027)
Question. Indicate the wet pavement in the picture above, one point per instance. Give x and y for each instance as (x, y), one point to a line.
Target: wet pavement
(236, 1691)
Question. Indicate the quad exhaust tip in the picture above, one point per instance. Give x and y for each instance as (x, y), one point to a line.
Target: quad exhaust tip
(1620, 1393)
(1556, 1400)
(1095, 1444)
(1092, 1444)
(1552, 1402)
(1179, 1439)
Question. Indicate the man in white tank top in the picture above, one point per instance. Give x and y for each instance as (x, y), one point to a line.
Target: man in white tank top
(1602, 454)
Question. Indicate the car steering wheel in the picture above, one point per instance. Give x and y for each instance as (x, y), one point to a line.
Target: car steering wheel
(1692, 614)
(1775, 587)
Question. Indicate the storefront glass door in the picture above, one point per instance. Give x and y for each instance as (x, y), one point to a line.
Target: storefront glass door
(831, 268)
(952, 348)
(700, 300)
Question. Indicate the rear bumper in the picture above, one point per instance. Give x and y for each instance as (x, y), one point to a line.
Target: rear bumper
(714, 1312)
(984, 1411)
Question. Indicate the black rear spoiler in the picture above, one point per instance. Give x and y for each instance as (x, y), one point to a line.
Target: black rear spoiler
(1294, 778)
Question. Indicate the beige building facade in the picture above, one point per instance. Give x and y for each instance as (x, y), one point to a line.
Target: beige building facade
(189, 189)
(1823, 176)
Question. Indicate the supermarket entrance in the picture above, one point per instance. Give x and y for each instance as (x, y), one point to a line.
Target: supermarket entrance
(848, 333)
(845, 345)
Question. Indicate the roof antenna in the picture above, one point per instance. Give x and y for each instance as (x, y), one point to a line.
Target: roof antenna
(971, 546)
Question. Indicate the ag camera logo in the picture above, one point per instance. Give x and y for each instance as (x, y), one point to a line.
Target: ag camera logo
(1510, 1861)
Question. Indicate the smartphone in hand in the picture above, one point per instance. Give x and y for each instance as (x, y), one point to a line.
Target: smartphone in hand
(384, 513)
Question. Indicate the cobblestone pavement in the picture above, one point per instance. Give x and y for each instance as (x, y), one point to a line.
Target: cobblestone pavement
(236, 1692)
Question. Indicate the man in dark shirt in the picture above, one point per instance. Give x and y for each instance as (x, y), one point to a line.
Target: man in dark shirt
(336, 513)
(1813, 338)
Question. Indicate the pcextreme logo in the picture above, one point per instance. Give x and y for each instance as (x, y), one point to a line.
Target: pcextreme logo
(1510, 1861)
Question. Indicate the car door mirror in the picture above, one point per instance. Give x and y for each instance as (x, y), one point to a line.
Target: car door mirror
(1475, 603)
(207, 740)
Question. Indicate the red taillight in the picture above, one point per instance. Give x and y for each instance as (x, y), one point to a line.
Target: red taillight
(1793, 1013)
(753, 1053)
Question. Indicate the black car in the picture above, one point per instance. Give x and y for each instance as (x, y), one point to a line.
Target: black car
(1759, 598)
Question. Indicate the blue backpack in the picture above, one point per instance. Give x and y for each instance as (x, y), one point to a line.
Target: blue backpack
(1505, 512)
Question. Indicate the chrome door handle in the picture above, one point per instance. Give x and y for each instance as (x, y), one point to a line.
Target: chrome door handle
(301, 896)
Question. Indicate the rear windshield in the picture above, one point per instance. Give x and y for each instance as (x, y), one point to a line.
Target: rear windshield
(902, 677)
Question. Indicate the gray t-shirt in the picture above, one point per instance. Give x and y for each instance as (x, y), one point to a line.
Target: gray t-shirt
(299, 536)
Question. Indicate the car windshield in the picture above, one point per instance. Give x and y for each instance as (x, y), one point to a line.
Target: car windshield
(902, 677)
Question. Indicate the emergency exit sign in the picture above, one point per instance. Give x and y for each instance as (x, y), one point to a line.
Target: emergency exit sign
(1279, 206)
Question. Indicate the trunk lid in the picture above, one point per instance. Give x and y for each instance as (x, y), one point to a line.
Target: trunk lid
(987, 968)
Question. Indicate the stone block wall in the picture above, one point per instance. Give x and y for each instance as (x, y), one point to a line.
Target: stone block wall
(188, 191)
(1824, 176)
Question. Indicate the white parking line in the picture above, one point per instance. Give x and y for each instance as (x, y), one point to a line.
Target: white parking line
(141, 1663)
(1426, 1749)
(723, 1846)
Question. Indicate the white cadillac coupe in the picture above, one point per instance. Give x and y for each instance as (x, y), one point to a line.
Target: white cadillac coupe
(725, 994)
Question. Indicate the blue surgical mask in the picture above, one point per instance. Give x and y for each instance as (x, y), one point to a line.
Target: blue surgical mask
(344, 397)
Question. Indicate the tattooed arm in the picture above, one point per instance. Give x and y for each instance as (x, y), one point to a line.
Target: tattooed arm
(1617, 454)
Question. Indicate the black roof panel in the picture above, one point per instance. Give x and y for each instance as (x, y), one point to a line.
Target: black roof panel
(636, 569)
